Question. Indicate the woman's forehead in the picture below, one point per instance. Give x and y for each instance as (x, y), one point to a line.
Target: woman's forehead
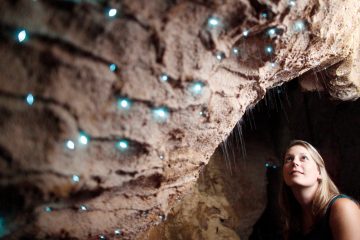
(297, 149)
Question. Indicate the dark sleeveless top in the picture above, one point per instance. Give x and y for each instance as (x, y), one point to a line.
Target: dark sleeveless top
(321, 230)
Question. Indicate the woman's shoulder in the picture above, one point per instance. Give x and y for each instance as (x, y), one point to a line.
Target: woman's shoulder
(342, 205)
(339, 199)
(344, 217)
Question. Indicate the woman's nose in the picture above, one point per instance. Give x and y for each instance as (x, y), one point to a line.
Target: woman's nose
(296, 161)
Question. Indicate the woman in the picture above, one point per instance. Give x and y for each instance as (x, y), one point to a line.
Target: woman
(312, 205)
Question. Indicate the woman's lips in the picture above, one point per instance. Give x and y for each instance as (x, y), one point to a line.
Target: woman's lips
(295, 171)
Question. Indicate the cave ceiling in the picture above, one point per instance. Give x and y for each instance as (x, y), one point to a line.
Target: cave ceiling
(109, 109)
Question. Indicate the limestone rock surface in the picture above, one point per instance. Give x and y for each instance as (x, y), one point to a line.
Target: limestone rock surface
(64, 63)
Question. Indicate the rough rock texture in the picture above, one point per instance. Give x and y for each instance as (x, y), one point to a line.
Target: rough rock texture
(65, 64)
(227, 199)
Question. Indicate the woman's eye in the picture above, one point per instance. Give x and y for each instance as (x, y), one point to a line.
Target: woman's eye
(304, 157)
(288, 159)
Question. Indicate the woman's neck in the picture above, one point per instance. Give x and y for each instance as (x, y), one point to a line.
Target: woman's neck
(305, 197)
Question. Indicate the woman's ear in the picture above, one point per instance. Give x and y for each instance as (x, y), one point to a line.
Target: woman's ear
(319, 176)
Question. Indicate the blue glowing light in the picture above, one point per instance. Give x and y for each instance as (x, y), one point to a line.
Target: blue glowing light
(47, 209)
(122, 145)
(70, 144)
(292, 3)
(124, 103)
(245, 33)
(267, 165)
(112, 67)
(269, 49)
(118, 232)
(83, 138)
(83, 208)
(299, 26)
(161, 114)
(196, 88)
(213, 22)
(235, 51)
(112, 12)
(75, 178)
(219, 55)
(2, 227)
(30, 99)
(264, 15)
(164, 77)
(273, 64)
(271, 32)
(21, 36)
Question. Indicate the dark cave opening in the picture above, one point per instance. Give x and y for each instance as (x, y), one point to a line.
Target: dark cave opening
(286, 113)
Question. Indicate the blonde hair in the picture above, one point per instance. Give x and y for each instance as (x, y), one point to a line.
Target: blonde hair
(326, 191)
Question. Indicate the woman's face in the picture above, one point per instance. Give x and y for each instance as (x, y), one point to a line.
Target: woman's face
(300, 169)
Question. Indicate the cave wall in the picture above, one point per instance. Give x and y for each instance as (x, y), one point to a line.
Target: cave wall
(236, 195)
(227, 199)
(58, 82)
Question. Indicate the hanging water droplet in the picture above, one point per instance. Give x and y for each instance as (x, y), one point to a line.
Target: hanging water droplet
(47, 209)
(117, 232)
(269, 49)
(164, 77)
(122, 145)
(21, 36)
(271, 32)
(246, 33)
(30, 99)
(112, 12)
(160, 114)
(75, 178)
(292, 3)
(70, 144)
(112, 67)
(196, 88)
(213, 22)
(83, 208)
(124, 103)
(219, 55)
(299, 26)
(235, 51)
